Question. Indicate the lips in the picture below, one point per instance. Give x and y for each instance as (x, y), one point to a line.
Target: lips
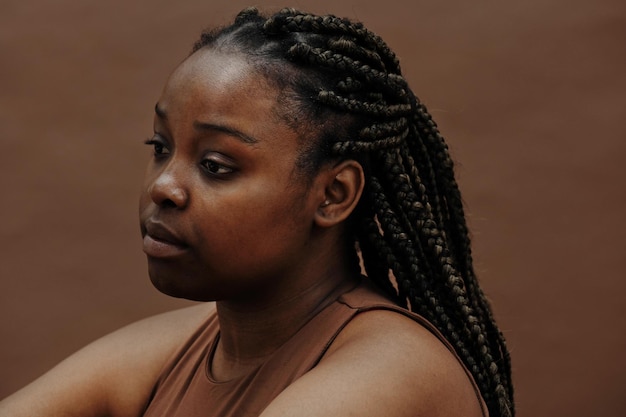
(160, 242)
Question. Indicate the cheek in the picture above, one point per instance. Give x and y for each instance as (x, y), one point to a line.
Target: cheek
(255, 220)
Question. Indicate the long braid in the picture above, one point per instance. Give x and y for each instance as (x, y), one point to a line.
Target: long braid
(464, 256)
(410, 224)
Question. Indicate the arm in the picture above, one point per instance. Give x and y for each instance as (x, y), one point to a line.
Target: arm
(112, 376)
(382, 364)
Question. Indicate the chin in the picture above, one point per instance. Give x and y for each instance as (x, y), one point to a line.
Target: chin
(178, 287)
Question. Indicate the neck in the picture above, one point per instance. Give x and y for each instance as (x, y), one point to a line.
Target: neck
(250, 332)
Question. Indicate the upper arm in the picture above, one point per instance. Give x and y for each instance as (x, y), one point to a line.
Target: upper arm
(112, 376)
(382, 363)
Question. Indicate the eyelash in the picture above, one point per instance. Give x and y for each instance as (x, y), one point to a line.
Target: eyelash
(159, 146)
(206, 164)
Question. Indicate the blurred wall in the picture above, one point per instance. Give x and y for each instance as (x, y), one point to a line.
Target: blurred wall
(530, 95)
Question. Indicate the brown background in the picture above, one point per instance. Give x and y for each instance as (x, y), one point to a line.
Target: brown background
(531, 96)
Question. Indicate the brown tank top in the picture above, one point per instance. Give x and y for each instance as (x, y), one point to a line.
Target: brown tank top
(187, 389)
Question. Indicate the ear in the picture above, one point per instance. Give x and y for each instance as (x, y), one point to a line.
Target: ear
(343, 186)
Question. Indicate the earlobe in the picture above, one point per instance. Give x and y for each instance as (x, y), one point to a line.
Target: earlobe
(342, 191)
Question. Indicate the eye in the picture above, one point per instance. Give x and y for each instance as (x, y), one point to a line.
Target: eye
(215, 168)
(160, 148)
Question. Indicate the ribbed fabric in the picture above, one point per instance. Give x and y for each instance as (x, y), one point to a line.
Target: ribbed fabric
(187, 389)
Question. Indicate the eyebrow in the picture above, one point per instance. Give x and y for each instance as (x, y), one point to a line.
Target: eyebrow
(203, 126)
(225, 129)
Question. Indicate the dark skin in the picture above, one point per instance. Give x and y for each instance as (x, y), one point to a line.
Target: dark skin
(233, 220)
(226, 216)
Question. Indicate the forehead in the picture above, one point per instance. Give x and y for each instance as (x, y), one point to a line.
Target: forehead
(212, 68)
(211, 84)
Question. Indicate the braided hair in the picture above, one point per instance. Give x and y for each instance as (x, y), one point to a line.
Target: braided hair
(342, 82)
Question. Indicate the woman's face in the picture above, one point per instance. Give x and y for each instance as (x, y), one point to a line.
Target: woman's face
(223, 211)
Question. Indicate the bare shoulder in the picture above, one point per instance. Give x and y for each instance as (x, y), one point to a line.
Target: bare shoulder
(112, 376)
(383, 363)
(166, 327)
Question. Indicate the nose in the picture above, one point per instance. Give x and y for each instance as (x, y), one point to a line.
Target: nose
(167, 189)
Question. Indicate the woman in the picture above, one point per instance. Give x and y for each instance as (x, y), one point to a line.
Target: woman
(290, 156)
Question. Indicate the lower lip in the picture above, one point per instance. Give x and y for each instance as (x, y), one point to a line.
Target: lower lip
(161, 249)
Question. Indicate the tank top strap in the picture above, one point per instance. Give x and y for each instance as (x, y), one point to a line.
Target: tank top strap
(365, 298)
(186, 389)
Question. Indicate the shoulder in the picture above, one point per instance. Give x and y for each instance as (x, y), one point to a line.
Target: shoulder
(113, 375)
(383, 363)
(167, 327)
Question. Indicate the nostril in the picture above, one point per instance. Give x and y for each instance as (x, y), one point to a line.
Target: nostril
(168, 203)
